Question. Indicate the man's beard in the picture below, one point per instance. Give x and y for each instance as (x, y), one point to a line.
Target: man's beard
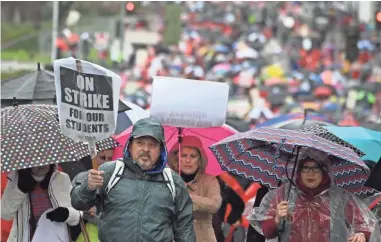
(145, 166)
(148, 165)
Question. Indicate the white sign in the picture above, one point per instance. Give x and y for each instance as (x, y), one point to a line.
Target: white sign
(50, 231)
(189, 103)
(87, 100)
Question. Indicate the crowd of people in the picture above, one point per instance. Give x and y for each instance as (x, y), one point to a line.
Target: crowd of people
(142, 201)
(277, 59)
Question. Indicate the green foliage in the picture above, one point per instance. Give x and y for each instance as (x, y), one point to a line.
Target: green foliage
(11, 31)
(24, 56)
(173, 24)
(10, 74)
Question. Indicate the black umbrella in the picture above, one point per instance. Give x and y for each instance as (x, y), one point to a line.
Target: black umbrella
(277, 94)
(161, 49)
(300, 123)
(37, 87)
(76, 167)
(238, 124)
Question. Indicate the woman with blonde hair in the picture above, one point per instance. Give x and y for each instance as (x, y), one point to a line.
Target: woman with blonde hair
(204, 189)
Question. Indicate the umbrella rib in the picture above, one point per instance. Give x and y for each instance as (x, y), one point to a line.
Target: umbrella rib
(170, 137)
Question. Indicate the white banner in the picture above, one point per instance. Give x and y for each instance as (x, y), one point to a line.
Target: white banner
(189, 103)
(87, 100)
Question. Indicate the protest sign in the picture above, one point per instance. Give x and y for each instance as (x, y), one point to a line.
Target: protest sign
(189, 103)
(87, 100)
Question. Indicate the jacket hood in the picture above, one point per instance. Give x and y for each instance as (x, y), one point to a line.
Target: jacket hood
(321, 160)
(161, 163)
(188, 141)
(153, 128)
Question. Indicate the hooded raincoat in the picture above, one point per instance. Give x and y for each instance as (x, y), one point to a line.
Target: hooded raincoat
(323, 214)
(140, 207)
(204, 190)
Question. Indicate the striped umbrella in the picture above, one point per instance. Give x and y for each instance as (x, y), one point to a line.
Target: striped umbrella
(263, 155)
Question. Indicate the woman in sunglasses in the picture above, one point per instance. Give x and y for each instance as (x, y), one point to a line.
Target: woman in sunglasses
(316, 211)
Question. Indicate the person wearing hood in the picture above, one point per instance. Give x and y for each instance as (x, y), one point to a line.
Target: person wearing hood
(316, 210)
(30, 193)
(204, 189)
(139, 207)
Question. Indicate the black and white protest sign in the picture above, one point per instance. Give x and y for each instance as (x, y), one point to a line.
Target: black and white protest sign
(87, 100)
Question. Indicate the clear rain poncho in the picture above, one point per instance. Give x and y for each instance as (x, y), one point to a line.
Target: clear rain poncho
(323, 214)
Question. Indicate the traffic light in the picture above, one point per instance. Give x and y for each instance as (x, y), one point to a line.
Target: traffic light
(378, 20)
(377, 15)
(130, 7)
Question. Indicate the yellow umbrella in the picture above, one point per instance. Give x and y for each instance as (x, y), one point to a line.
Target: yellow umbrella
(273, 71)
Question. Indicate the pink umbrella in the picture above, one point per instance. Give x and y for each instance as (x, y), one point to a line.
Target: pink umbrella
(208, 136)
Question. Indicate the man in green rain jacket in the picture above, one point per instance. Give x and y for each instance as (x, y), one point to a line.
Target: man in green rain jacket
(140, 207)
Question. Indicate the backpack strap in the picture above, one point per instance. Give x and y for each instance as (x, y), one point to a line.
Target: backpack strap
(116, 175)
(167, 173)
(118, 172)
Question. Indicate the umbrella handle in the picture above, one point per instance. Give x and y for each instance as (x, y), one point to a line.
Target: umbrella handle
(180, 130)
(282, 225)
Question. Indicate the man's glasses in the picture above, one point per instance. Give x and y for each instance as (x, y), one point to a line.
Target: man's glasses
(314, 169)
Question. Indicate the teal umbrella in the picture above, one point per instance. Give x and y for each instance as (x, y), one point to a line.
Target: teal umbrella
(368, 141)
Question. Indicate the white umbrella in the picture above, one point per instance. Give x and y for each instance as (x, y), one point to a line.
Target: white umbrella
(130, 117)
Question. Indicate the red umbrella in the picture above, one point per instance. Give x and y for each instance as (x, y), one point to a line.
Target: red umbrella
(323, 91)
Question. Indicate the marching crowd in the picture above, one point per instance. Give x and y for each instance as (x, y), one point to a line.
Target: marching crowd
(163, 194)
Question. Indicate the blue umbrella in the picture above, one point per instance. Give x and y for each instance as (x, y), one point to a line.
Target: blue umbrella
(368, 141)
(221, 48)
(330, 107)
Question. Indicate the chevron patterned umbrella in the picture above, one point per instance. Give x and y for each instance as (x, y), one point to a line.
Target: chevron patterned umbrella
(324, 133)
(263, 155)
